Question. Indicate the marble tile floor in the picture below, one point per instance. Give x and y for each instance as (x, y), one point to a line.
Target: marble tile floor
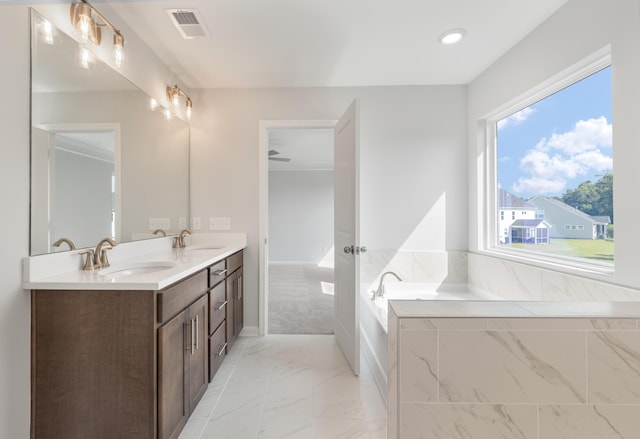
(288, 387)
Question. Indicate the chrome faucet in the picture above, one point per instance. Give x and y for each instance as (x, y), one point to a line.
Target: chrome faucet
(67, 241)
(159, 232)
(179, 240)
(380, 291)
(100, 254)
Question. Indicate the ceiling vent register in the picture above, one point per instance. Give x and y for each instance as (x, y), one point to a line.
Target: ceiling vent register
(189, 23)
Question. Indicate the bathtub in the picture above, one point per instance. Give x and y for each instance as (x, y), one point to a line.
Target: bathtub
(373, 317)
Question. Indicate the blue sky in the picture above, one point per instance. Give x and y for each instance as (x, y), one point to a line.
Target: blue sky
(558, 142)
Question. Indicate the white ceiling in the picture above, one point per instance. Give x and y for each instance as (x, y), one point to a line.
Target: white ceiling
(294, 43)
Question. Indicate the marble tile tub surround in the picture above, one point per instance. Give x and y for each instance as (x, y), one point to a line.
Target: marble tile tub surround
(55, 266)
(437, 267)
(514, 370)
(515, 281)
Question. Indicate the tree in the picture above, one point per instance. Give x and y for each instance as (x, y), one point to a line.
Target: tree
(592, 198)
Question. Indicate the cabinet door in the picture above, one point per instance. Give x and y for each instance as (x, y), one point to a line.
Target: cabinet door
(197, 357)
(238, 303)
(173, 408)
(230, 311)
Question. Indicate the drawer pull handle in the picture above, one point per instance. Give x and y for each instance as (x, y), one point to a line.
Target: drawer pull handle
(224, 346)
(197, 343)
(219, 272)
(222, 305)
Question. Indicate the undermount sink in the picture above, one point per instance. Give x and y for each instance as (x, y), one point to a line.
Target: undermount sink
(137, 268)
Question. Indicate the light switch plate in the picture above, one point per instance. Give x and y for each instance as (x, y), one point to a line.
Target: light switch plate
(159, 223)
(182, 223)
(219, 223)
(196, 223)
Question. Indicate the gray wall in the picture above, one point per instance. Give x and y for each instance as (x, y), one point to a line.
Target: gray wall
(300, 215)
(413, 181)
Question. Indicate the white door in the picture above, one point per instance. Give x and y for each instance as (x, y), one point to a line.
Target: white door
(346, 237)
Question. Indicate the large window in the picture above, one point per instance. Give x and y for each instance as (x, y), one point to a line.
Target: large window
(554, 174)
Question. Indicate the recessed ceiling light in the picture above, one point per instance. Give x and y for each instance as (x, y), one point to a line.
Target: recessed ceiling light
(451, 36)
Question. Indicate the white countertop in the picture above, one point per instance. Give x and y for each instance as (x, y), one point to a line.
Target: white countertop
(62, 271)
(513, 309)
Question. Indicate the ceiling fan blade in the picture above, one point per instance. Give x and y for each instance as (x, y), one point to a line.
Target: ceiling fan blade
(273, 152)
(280, 159)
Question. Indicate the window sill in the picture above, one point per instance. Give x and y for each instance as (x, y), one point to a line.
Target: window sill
(596, 271)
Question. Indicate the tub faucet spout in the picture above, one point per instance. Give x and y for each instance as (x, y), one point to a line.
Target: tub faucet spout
(380, 291)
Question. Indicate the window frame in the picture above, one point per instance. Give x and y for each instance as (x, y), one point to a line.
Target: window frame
(489, 232)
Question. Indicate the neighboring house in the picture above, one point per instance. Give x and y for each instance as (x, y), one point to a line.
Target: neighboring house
(511, 209)
(569, 222)
(529, 231)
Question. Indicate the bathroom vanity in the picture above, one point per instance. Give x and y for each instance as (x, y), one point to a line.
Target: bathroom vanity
(502, 369)
(129, 354)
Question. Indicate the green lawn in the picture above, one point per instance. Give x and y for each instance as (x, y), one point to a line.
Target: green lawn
(596, 249)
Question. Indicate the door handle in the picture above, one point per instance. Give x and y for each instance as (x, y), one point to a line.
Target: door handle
(355, 250)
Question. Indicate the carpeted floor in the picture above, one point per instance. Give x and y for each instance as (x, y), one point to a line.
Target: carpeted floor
(300, 299)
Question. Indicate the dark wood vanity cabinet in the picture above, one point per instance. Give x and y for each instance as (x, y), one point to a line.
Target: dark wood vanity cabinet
(182, 367)
(225, 308)
(112, 364)
(118, 364)
(235, 313)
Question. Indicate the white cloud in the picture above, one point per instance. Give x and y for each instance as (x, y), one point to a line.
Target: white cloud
(516, 118)
(538, 185)
(587, 135)
(565, 156)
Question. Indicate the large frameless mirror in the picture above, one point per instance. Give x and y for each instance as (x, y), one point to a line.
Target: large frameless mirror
(103, 164)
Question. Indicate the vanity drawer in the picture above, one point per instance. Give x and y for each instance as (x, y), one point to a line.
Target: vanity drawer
(174, 299)
(217, 305)
(234, 262)
(217, 272)
(217, 350)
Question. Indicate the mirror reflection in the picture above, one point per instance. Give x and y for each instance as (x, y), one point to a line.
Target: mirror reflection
(104, 164)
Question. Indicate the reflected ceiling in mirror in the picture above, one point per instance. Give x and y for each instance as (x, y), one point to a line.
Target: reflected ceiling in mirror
(103, 164)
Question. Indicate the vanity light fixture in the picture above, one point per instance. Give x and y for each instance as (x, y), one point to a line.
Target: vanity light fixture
(451, 36)
(88, 22)
(174, 94)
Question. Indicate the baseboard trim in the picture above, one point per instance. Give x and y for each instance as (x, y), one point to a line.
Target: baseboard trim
(379, 374)
(250, 331)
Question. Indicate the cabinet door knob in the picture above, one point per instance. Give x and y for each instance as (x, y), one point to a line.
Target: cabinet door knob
(348, 249)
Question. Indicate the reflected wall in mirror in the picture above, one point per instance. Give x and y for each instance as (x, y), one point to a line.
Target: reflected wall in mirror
(102, 163)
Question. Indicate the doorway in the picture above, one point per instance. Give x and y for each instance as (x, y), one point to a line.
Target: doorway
(297, 190)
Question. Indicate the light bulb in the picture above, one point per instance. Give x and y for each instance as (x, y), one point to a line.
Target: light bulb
(189, 109)
(118, 49)
(167, 114)
(85, 27)
(118, 56)
(47, 32)
(153, 104)
(84, 57)
(175, 100)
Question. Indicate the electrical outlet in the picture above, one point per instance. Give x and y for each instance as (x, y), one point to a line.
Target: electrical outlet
(219, 223)
(196, 223)
(159, 223)
(182, 223)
